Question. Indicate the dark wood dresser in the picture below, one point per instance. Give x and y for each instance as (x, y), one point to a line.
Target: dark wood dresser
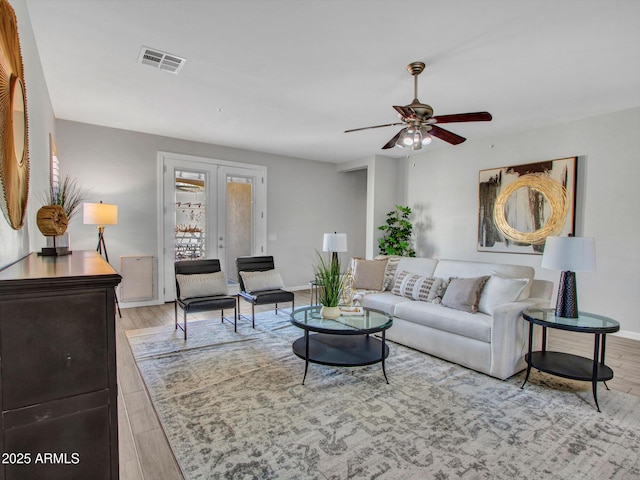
(58, 391)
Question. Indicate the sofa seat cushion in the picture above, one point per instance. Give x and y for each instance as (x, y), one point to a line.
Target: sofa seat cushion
(471, 325)
(384, 301)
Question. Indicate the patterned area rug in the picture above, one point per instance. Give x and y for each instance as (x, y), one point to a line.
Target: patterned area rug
(233, 407)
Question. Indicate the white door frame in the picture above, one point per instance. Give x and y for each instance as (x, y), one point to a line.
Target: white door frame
(259, 242)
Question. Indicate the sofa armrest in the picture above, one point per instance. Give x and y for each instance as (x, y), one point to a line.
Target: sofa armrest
(510, 336)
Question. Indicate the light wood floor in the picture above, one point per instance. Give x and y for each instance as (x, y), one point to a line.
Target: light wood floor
(145, 452)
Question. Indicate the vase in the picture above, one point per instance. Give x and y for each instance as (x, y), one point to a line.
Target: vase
(330, 313)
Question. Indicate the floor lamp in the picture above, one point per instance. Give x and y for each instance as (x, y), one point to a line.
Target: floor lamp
(101, 214)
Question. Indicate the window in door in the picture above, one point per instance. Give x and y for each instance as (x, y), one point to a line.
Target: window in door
(190, 215)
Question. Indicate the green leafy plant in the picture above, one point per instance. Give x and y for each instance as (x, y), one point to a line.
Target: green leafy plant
(398, 230)
(329, 280)
(68, 194)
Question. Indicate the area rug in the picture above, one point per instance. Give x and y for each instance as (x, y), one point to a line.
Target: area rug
(233, 407)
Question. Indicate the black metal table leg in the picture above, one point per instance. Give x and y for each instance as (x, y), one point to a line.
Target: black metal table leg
(384, 371)
(306, 356)
(526, 377)
(596, 360)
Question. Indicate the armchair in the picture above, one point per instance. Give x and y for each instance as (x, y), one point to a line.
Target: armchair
(260, 283)
(202, 286)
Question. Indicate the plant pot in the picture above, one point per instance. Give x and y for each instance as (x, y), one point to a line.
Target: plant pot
(330, 313)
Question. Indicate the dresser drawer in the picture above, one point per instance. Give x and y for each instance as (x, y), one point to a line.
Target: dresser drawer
(53, 346)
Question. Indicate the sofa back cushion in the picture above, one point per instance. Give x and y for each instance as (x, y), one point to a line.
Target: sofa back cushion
(465, 269)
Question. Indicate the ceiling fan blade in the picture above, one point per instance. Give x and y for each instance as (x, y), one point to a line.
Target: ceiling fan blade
(404, 111)
(446, 135)
(464, 117)
(392, 143)
(375, 126)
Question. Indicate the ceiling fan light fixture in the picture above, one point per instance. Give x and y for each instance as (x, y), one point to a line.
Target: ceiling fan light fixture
(426, 138)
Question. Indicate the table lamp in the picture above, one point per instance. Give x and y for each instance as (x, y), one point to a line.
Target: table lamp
(569, 254)
(334, 242)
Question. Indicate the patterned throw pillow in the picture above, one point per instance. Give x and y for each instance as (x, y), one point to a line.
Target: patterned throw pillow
(259, 281)
(416, 287)
(390, 271)
(202, 285)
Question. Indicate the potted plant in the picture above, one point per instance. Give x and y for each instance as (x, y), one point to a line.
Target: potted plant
(60, 202)
(68, 194)
(398, 230)
(329, 281)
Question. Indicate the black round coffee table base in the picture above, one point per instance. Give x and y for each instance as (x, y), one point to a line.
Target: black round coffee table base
(342, 350)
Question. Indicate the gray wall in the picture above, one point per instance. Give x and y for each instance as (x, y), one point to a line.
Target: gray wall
(442, 187)
(304, 198)
(15, 244)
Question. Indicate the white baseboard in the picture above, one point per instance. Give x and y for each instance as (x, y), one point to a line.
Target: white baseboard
(627, 334)
(144, 303)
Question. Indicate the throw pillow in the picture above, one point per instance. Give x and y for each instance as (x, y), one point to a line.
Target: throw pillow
(499, 290)
(390, 271)
(369, 274)
(202, 285)
(416, 287)
(259, 281)
(464, 293)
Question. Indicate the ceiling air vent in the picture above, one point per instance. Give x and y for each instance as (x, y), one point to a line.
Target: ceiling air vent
(157, 59)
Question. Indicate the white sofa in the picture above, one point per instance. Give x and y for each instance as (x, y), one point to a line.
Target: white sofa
(489, 343)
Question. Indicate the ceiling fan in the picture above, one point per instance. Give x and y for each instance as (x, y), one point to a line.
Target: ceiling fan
(420, 122)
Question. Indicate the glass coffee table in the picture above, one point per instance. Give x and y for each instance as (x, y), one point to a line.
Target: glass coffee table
(568, 365)
(343, 342)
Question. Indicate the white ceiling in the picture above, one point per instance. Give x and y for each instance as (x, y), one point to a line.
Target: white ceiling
(289, 76)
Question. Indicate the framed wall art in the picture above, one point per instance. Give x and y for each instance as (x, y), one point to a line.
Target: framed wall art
(521, 205)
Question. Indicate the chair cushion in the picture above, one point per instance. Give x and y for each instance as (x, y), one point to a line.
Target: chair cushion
(262, 280)
(268, 296)
(207, 303)
(202, 284)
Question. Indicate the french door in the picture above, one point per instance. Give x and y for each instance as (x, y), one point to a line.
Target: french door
(211, 209)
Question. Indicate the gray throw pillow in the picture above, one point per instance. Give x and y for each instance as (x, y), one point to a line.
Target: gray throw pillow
(464, 293)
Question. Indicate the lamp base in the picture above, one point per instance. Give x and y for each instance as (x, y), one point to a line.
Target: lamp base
(567, 303)
(54, 252)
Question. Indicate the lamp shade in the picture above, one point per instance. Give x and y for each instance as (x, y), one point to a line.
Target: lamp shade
(573, 254)
(99, 214)
(334, 242)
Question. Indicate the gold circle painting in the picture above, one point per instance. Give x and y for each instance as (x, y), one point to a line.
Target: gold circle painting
(14, 138)
(555, 196)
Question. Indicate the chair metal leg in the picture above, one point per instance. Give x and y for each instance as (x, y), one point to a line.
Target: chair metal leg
(175, 313)
(253, 315)
(222, 315)
(185, 325)
(276, 308)
(235, 320)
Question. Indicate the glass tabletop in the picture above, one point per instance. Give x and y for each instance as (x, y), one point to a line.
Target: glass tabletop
(371, 321)
(585, 322)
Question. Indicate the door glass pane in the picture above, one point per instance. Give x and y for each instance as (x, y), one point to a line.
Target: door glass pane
(190, 214)
(239, 213)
